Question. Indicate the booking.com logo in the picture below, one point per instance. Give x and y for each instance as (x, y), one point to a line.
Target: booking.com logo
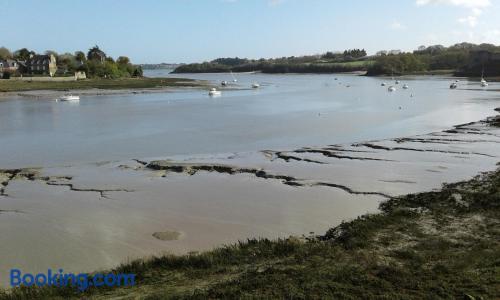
(60, 279)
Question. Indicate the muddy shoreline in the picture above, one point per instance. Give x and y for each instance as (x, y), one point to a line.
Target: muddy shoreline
(121, 210)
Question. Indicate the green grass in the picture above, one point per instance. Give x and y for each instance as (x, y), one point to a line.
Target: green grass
(125, 83)
(422, 246)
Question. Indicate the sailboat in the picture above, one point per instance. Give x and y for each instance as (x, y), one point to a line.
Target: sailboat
(234, 79)
(484, 83)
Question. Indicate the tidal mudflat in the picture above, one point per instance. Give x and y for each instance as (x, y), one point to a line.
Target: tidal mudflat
(92, 216)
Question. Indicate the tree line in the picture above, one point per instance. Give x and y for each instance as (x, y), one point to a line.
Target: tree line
(463, 59)
(329, 62)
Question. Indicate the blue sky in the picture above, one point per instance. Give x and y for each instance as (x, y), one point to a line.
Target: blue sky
(150, 31)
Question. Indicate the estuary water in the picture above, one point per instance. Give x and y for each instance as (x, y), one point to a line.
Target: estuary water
(287, 111)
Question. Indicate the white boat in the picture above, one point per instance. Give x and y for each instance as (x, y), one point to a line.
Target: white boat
(69, 97)
(397, 81)
(234, 78)
(383, 84)
(484, 83)
(223, 83)
(214, 92)
(255, 85)
(405, 86)
(453, 86)
(391, 89)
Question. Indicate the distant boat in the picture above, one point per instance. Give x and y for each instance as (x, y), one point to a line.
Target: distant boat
(255, 85)
(405, 86)
(383, 84)
(69, 97)
(214, 92)
(223, 83)
(335, 78)
(391, 89)
(397, 82)
(234, 78)
(453, 86)
(484, 83)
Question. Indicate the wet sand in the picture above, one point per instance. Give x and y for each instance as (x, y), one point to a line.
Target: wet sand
(86, 217)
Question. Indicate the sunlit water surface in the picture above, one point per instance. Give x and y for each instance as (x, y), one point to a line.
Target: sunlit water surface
(287, 111)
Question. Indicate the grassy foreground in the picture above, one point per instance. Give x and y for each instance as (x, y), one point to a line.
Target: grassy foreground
(434, 245)
(100, 83)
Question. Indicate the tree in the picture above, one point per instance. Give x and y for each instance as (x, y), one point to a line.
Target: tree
(137, 72)
(23, 54)
(96, 54)
(5, 53)
(80, 56)
(123, 60)
(67, 62)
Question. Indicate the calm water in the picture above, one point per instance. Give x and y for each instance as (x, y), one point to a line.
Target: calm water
(287, 111)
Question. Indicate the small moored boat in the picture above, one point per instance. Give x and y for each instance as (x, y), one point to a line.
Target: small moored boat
(214, 92)
(234, 78)
(255, 85)
(69, 97)
(405, 86)
(223, 83)
(391, 89)
(383, 84)
(484, 83)
(453, 86)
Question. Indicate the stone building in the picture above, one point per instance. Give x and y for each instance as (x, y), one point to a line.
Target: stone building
(41, 64)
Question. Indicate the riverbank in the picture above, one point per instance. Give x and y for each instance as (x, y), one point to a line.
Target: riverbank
(443, 243)
(10, 87)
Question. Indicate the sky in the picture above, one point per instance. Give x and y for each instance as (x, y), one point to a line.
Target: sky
(175, 31)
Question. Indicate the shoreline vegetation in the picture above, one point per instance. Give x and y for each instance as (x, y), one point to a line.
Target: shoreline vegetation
(463, 59)
(441, 244)
(9, 86)
(25, 70)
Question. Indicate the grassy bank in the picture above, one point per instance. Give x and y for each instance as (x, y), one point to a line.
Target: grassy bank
(434, 245)
(99, 83)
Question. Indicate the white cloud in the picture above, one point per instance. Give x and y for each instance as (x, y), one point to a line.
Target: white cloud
(462, 3)
(475, 6)
(469, 20)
